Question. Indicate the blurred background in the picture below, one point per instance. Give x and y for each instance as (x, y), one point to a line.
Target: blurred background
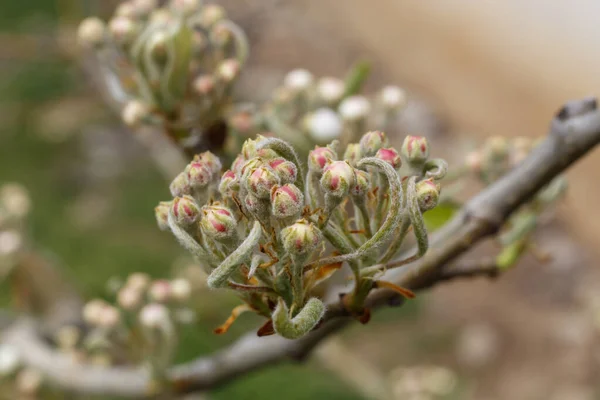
(473, 70)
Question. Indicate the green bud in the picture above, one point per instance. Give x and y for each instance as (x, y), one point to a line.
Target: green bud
(371, 142)
(415, 149)
(162, 215)
(185, 210)
(286, 201)
(301, 238)
(362, 184)
(180, 185)
(353, 153)
(428, 194)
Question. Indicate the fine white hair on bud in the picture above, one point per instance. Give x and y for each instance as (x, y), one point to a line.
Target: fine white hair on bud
(393, 97)
(355, 108)
(330, 90)
(324, 125)
(298, 79)
(91, 32)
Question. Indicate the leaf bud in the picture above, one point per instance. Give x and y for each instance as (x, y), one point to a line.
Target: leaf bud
(91, 32)
(185, 210)
(319, 158)
(371, 142)
(338, 178)
(428, 194)
(323, 125)
(391, 156)
(162, 215)
(286, 201)
(180, 185)
(218, 222)
(301, 238)
(286, 170)
(415, 149)
(261, 180)
(355, 108)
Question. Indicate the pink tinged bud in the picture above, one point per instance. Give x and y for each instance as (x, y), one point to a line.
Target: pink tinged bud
(362, 184)
(218, 222)
(428, 194)
(254, 204)
(199, 174)
(354, 108)
(229, 184)
(108, 317)
(211, 160)
(286, 201)
(238, 164)
(122, 29)
(371, 142)
(249, 149)
(298, 80)
(160, 291)
(162, 215)
(391, 156)
(138, 281)
(338, 178)
(228, 70)
(185, 210)
(204, 85)
(415, 149)
(286, 170)
(353, 153)
(320, 158)
(129, 298)
(91, 32)
(261, 180)
(301, 238)
(181, 289)
(154, 315)
(180, 185)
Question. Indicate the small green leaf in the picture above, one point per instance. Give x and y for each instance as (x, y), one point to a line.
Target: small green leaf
(439, 216)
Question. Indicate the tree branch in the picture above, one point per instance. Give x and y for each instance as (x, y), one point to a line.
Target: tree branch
(575, 130)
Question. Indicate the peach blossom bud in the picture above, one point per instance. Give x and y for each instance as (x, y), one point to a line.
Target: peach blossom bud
(229, 184)
(218, 222)
(415, 149)
(286, 201)
(338, 178)
(199, 174)
(371, 142)
(185, 210)
(213, 162)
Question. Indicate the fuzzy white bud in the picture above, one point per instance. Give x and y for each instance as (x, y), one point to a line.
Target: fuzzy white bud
(324, 125)
(154, 315)
(91, 32)
(331, 90)
(393, 97)
(355, 108)
(181, 289)
(298, 79)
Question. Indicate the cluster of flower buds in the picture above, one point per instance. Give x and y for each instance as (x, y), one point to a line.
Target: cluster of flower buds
(497, 156)
(14, 208)
(307, 110)
(172, 66)
(150, 308)
(265, 228)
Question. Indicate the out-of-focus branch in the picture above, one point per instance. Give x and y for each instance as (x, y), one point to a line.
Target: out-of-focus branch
(574, 131)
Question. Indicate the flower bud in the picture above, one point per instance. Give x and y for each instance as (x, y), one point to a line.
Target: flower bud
(330, 90)
(354, 108)
(138, 281)
(298, 79)
(229, 184)
(160, 291)
(319, 158)
(185, 210)
(255, 205)
(91, 32)
(135, 113)
(323, 125)
(154, 315)
(286, 170)
(238, 164)
(261, 180)
(228, 70)
(180, 186)
(213, 162)
(338, 178)
(181, 289)
(211, 14)
(122, 29)
(129, 298)
(199, 174)
(218, 222)
(428, 194)
(186, 7)
(361, 185)
(92, 311)
(390, 156)
(204, 85)
(301, 238)
(267, 154)
(393, 98)
(286, 201)
(353, 153)
(162, 215)
(371, 142)
(415, 149)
